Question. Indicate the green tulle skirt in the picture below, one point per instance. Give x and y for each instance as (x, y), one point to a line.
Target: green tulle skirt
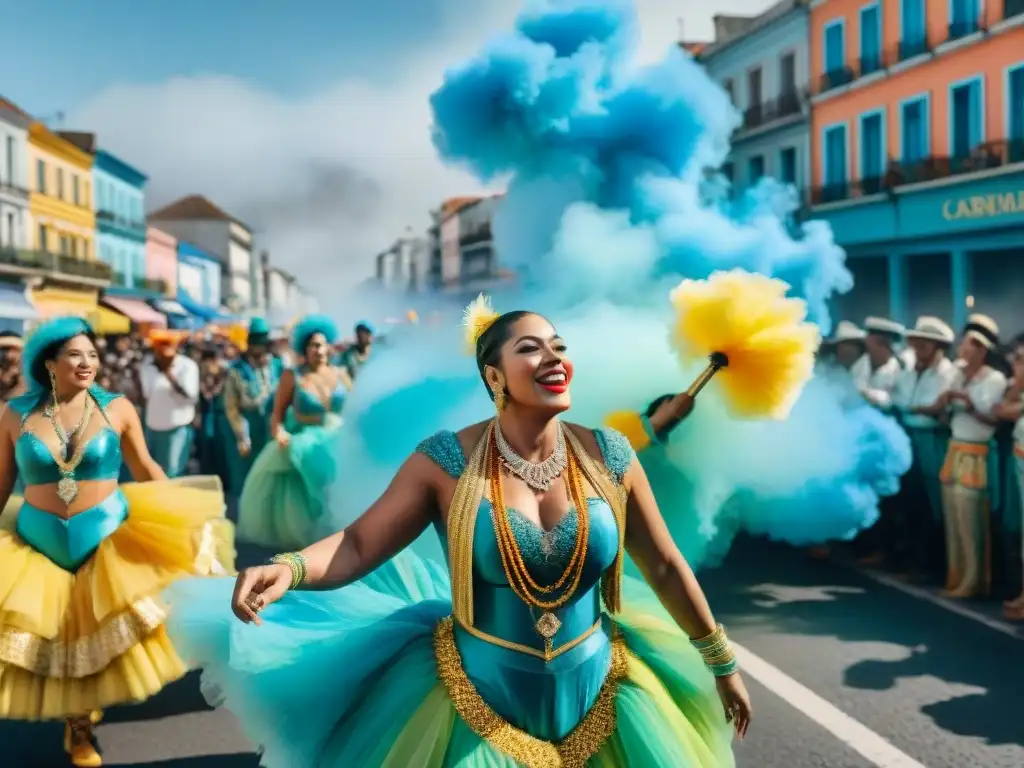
(351, 678)
(285, 493)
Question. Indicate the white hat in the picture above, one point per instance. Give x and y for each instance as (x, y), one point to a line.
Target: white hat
(883, 325)
(846, 331)
(933, 329)
(982, 329)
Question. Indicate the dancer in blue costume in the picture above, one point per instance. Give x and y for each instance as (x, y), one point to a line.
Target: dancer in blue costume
(248, 398)
(536, 652)
(83, 561)
(284, 495)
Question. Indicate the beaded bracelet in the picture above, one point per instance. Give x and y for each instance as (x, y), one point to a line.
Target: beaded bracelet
(295, 561)
(717, 654)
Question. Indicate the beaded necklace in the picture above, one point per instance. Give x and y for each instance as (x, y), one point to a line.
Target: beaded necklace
(519, 578)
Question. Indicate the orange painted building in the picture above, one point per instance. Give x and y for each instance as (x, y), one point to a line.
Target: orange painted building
(917, 141)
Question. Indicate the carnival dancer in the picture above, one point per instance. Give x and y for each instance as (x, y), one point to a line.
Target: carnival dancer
(536, 651)
(918, 403)
(1012, 410)
(84, 561)
(248, 398)
(966, 473)
(354, 356)
(170, 388)
(285, 492)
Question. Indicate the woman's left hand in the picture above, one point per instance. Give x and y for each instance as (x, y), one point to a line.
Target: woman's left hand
(736, 701)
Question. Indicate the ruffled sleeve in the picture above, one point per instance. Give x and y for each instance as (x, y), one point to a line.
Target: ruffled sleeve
(445, 450)
(616, 450)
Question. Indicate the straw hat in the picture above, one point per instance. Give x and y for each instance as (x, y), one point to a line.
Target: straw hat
(846, 331)
(885, 326)
(982, 329)
(932, 329)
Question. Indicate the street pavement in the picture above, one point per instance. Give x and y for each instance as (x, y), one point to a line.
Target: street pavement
(864, 675)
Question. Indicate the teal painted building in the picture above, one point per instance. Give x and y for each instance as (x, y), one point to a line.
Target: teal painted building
(119, 195)
(948, 246)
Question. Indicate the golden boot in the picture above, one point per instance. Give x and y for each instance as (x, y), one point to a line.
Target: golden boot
(78, 743)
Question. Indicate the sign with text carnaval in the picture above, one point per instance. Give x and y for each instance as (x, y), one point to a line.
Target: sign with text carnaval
(984, 206)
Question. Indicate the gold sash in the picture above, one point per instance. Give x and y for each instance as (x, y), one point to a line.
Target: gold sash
(466, 504)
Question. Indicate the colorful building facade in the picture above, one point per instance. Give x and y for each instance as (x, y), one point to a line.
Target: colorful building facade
(120, 219)
(199, 280)
(763, 65)
(917, 160)
(13, 176)
(162, 260)
(62, 219)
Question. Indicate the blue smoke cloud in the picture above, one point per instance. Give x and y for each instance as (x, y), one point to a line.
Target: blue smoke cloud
(613, 196)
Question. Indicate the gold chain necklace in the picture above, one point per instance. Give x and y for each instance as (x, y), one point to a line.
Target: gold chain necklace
(519, 578)
(52, 412)
(67, 486)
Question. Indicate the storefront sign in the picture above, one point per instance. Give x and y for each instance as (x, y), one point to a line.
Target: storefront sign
(983, 206)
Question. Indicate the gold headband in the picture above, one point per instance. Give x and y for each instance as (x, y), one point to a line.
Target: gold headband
(476, 319)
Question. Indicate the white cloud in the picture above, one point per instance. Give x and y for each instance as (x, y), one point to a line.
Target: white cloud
(329, 180)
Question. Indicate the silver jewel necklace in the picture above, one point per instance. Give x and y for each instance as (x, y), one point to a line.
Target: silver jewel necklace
(538, 476)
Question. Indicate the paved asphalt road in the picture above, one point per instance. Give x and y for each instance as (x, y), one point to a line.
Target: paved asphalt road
(942, 689)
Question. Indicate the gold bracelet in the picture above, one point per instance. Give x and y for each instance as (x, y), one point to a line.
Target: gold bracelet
(297, 562)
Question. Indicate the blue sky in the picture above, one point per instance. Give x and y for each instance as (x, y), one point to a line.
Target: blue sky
(65, 51)
(309, 120)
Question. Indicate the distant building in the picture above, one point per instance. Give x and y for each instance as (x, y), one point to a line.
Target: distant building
(762, 62)
(460, 246)
(403, 266)
(162, 260)
(196, 220)
(13, 176)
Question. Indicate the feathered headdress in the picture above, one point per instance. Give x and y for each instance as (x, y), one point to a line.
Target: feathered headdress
(46, 334)
(309, 325)
(476, 319)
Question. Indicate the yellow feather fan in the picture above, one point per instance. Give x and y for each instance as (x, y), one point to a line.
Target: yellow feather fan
(755, 335)
(477, 318)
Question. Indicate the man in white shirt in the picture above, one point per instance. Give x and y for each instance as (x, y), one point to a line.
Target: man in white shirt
(919, 402)
(170, 386)
(976, 391)
(879, 369)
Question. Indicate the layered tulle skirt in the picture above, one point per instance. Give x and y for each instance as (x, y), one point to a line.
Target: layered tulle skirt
(369, 676)
(285, 493)
(76, 641)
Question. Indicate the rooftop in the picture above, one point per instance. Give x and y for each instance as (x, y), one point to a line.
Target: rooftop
(195, 208)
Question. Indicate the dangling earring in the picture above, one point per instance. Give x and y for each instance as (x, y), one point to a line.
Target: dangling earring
(498, 390)
(53, 392)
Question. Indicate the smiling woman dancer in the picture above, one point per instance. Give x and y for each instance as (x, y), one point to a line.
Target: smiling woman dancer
(531, 656)
(82, 561)
(285, 492)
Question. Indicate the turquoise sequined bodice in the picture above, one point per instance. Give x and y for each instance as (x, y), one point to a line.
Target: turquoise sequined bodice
(309, 404)
(101, 458)
(521, 687)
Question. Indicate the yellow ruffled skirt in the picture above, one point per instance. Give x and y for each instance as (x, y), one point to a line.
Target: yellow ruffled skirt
(74, 642)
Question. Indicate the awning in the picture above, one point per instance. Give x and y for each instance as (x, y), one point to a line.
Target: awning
(14, 305)
(169, 307)
(195, 308)
(107, 322)
(139, 312)
(58, 302)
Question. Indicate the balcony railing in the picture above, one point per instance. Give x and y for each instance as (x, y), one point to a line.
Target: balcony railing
(908, 48)
(13, 189)
(836, 78)
(59, 264)
(994, 154)
(139, 282)
(960, 29)
(868, 65)
(787, 104)
(119, 221)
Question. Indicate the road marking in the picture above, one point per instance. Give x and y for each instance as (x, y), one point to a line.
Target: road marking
(935, 599)
(858, 737)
